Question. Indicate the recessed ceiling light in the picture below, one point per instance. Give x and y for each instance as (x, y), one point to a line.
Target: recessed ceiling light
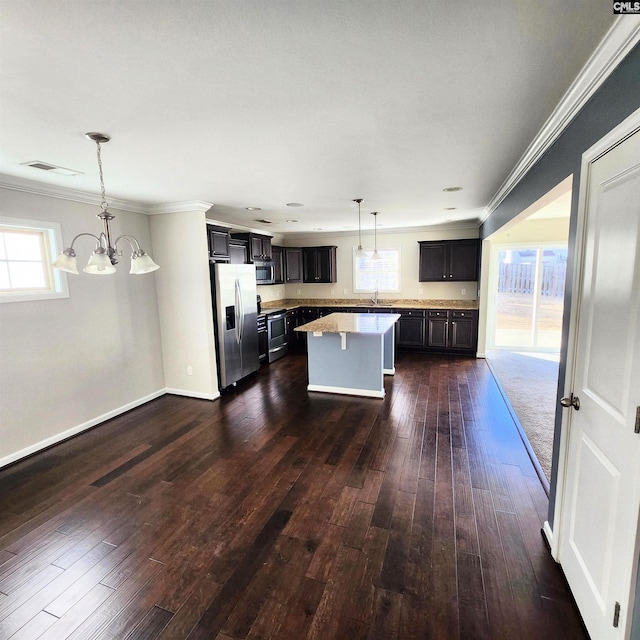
(253, 208)
(318, 229)
(264, 221)
(295, 204)
(453, 189)
(292, 221)
(450, 208)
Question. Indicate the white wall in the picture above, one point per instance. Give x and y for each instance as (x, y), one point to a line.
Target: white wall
(411, 288)
(184, 303)
(68, 364)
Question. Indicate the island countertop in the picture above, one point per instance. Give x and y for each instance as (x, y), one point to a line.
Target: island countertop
(371, 323)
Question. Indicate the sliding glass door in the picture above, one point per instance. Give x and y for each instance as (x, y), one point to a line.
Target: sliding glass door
(528, 296)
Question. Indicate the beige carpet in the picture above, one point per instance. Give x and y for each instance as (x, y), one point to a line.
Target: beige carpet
(530, 382)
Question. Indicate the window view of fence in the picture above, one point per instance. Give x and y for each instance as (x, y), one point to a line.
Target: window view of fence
(530, 297)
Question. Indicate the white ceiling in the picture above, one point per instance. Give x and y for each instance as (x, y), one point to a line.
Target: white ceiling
(265, 102)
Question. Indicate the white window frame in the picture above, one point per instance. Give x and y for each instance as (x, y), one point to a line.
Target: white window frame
(357, 289)
(52, 243)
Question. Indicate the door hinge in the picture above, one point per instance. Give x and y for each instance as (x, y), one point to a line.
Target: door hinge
(637, 428)
(616, 614)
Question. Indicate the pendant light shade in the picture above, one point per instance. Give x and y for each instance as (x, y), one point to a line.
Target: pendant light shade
(99, 263)
(66, 261)
(106, 253)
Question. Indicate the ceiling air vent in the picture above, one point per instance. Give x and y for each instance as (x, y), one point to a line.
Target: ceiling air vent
(265, 221)
(45, 166)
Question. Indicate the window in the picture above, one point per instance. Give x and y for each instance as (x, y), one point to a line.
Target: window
(383, 274)
(27, 249)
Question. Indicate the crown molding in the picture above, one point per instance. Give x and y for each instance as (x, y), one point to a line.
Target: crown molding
(623, 35)
(65, 193)
(178, 207)
(74, 195)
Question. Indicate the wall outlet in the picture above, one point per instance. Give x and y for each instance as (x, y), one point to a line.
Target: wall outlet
(420, 291)
(297, 292)
(189, 370)
(333, 292)
(463, 291)
(346, 291)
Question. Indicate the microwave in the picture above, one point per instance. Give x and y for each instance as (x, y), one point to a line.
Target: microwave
(264, 272)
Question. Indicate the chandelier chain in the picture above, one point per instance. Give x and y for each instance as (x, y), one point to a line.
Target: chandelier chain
(103, 204)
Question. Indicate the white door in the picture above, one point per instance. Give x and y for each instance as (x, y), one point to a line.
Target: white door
(600, 478)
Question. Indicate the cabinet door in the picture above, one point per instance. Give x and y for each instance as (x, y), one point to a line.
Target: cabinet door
(463, 260)
(293, 265)
(256, 247)
(266, 248)
(324, 265)
(237, 252)
(218, 242)
(410, 329)
(277, 254)
(438, 329)
(309, 265)
(433, 261)
(464, 330)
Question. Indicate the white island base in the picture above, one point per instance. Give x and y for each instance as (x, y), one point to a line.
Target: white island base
(349, 353)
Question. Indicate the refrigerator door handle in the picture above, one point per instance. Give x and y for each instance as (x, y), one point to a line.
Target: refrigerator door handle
(241, 312)
(238, 312)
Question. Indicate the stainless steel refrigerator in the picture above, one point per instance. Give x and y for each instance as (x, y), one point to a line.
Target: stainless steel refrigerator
(235, 315)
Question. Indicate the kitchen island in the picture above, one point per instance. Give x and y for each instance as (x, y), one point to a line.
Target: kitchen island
(350, 353)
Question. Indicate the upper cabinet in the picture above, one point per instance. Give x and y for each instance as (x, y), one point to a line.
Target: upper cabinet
(319, 264)
(259, 246)
(292, 264)
(218, 238)
(449, 260)
(287, 264)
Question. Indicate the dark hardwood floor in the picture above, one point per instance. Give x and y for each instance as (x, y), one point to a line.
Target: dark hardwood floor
(277, 513)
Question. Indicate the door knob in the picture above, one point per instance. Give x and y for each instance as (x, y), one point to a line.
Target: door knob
(571, 401)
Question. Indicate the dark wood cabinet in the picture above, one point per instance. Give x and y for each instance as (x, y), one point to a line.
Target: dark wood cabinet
(277, 254)
(449, 260)
(259, 246)
(464, 330)
(237, 251)
(292, 265)
(263, 339)
(319, 264)
(437, 329)
(410, 328)
(218, 240)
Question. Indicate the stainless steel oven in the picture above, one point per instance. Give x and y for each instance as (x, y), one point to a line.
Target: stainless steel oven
(264, 272)
(277, 334)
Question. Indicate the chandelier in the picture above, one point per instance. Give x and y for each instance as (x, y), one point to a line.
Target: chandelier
(104, 256)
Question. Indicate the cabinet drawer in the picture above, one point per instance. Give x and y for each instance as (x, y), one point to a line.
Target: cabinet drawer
(443, 313)
(412, 313)
(462, 314)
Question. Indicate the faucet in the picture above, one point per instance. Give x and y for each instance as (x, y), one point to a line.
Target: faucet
(375, 296)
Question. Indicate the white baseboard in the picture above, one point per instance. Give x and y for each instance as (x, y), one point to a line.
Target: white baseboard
(369, 393)
(59, 437)
(192, 394)
(389, 372)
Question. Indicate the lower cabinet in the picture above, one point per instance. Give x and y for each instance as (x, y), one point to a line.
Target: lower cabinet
(438, 330)
(263, 346)
(410, 328)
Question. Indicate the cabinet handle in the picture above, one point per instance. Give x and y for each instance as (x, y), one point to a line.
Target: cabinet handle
(451, 275)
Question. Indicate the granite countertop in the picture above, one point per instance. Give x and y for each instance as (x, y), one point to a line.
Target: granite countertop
(386, 304)
(372, 323)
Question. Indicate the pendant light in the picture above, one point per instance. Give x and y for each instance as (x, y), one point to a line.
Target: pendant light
(375, 255)
(360, 252)
(104, 257)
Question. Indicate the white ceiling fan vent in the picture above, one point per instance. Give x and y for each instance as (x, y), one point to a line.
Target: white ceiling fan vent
(45, 166)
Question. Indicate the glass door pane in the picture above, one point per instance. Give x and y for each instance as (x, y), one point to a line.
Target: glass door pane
(515, 297)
